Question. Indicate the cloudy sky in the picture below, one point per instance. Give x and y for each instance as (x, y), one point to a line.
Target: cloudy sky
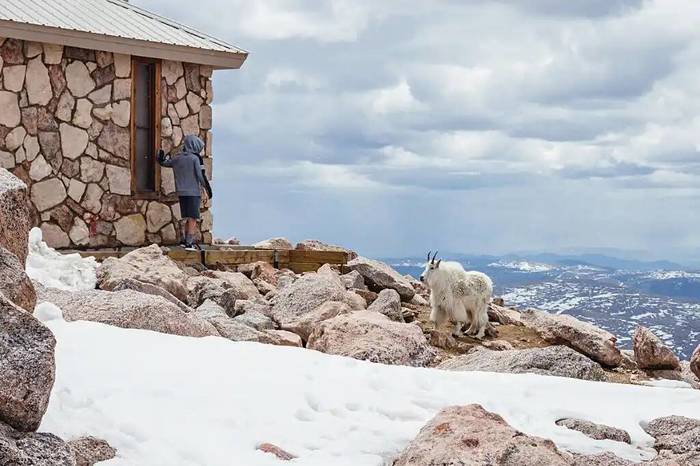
(398, 126)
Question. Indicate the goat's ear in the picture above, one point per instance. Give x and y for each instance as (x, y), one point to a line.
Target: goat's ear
(438, 264)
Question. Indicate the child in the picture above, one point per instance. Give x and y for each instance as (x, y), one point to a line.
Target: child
(189, 177)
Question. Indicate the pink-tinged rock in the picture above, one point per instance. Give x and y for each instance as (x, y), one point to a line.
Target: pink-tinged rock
(284, 338)
(315, 245)
(14, 215)
(379, 276)
(14, 282)
(88, 451)
(275, 450)
(650, 353)
(371, 336)
(470, 435)
(583, 337)
(695, 362)
(305, 324)
(33, 449)
(274, 243)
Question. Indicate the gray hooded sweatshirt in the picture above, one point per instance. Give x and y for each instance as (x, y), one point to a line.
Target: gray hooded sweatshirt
(186, 167)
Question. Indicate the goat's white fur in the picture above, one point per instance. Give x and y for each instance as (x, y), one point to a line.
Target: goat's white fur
(458, 296)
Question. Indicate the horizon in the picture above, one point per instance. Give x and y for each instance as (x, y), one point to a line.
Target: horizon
(386, 128)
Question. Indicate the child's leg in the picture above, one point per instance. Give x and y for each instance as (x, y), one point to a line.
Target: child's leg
(190, 227)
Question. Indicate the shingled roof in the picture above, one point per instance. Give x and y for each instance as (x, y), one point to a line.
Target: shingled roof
(114, 26)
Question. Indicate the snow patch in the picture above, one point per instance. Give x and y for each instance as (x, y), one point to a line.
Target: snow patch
(46, 312)
(52, 269)
(523, 266)
(168, 400)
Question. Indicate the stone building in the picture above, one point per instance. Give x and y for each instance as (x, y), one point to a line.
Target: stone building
(88, 93)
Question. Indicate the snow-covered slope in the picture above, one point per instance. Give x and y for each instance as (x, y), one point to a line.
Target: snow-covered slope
(168, 400)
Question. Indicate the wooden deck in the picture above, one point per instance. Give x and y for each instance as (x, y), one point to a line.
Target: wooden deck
(234, 256)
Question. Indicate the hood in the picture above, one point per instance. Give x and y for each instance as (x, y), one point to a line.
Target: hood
(192, 144)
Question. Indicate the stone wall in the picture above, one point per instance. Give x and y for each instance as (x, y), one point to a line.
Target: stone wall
(65, 117)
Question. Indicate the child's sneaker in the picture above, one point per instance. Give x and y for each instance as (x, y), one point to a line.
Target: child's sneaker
(191, 247)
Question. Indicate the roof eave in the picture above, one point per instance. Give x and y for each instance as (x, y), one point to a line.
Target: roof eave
(88, 40)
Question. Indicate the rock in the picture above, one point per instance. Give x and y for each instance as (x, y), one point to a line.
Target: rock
(379, 276)
(91, 170)
(243, 306)
(202, 288)
(284, 338)
(127, 309)
(237, 331)
(677, 434)
(353, 281)
(357, 302)
(470, 435)
(190, 125)
(172, 71)
(315, 245)
(388, 303)
(274, 243)
(498, 345)
(54, 236)
(119, 180)
(120, 284)
(443, 340)
(53, 54)
(260, 270)
(83, 114)
(205, 117)
(303, 325)
(38, 83)
(47, 194)
(305, 295)
(687, 375)
(242, 286)
(558, 361)
(27, 367)
(650, 353)
(79, 80)
(604, 459)
(370, 336)
(74, 141)
(419, 300)
(157, 216)
(275, 450)
(504, 315)
(14, 215)
(115, 140)
(583, 337)
(13, 77)
(148, 265)
(131, 230)
(14, 282)
(595, 431)
(368, 296)
(10, 114)
(122, 65)
(695, 362)
(256, 320)
(88, 451)
(121, 113)
(32, 449)
(40, 169)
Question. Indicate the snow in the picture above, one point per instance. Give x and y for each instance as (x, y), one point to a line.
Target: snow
(53, 269)
(672, 274)
(523, 266)
(168, 400)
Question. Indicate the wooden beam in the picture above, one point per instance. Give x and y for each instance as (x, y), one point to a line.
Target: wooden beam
(321, 257)
(237, 257)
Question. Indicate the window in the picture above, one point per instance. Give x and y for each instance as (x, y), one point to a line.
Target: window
(145, 126)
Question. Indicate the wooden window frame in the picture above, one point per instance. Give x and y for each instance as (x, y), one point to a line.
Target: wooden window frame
(156, 111)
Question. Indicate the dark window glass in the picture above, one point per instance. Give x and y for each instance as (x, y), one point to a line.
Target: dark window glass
(144, 130)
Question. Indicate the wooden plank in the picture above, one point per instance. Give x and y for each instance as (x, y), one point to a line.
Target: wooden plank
(238, 257)
(321, 257)
(184, 256)
(98, 255)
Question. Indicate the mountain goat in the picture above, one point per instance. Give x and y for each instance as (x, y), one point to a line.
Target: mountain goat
(458, 296)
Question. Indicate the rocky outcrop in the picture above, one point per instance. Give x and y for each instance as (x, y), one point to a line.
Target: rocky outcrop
(32, 449)
(14, 282)
(274, 243)
(583, 337)
(201, 289)
(353, 281)
(305, 295)
(148, 288)
(27, 367)
(677, 437)
(388, 303)
(304, 324)
(371, 336)
(650, 353)
(595, 431)
(14, 215)
(379, 276)
(256, 320)
(558, 361)
(148, 265)
(88, 451)
(470, 435)
(504, 315)
(275, 450)
(695, 362)
(260, 271)
(127, 309)
(315, 245)
(242, 286)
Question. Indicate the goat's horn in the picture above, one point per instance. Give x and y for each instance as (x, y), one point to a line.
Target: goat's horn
(429, 253)
(433, 260)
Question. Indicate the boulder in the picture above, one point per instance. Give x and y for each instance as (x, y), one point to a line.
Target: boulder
(504, 315)
(148, 265)
(379, 276)
(650, 353)
(315, 245)
(284, 338)
(470, 435)
(275, 450)
(148, 288)
(14, 282)
(355, 301)
(256, 320)
(261, 271)
(27, 367)
(370, 336)
(677, 434)
(201, 289)
(243, 287)
(128, 309)
(596, 431)
(131, 229)
(244, 306)
(33, 449)
(688, 376)
(305, 295)
(388, 303)
(353, 281)
(583, 337)
(304, 324)
(558, 361)
(14, 215)
(695, 362)
(88, 451)
(274, 243)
